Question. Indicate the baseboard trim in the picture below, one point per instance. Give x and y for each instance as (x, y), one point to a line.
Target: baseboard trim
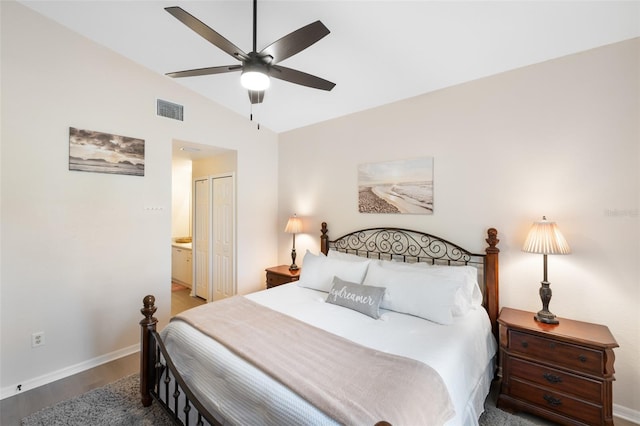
(45, 379)
(627, 414)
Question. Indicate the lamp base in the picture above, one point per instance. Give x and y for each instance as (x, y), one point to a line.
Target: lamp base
(293, 266)
(546, 317)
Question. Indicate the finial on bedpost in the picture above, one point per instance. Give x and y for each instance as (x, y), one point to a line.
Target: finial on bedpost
(492, 240)
(147, 349)
(491, 279)
(324, 239)
(148, 310)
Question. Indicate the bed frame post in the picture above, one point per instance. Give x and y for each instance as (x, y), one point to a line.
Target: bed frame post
(491, 278)
(147, 348)
(324, 239)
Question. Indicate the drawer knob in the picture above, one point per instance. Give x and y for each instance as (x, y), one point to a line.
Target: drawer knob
(582, 358)
(552, 401)
(552, 378)
(525, 344)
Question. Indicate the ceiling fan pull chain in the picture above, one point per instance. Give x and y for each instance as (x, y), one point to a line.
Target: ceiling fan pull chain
(251, 116)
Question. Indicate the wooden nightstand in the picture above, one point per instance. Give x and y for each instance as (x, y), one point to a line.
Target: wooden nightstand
(562, 372)
(281, 275)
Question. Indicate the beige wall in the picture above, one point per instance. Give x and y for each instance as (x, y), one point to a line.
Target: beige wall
(224, 163)
(560, 138)
(81, 250)
(181, 197)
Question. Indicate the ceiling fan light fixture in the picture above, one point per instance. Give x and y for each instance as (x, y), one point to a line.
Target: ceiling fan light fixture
(255, 80)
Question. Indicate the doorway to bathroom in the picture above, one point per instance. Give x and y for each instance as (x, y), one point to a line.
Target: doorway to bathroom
(203, 222)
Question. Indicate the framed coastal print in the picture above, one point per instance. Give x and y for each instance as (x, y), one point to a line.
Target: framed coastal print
(400, 187)
(91, 151)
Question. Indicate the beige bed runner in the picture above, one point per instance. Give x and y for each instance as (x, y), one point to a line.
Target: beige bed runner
(350, 383)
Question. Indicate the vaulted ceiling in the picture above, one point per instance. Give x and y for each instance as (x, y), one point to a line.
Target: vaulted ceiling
(377, 52)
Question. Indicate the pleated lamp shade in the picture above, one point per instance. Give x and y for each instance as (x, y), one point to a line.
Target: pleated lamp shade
(545, 238)
(294, 225)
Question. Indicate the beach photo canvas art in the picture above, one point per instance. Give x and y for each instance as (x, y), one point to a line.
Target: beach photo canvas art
(91, 151)
(403, 186)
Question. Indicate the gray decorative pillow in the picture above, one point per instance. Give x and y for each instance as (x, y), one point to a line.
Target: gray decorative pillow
(362, 298)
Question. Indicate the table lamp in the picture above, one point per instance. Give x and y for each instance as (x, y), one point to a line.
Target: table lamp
(545, 238)
(294, 226)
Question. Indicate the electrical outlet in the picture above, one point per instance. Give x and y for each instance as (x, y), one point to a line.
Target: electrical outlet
(37, 339)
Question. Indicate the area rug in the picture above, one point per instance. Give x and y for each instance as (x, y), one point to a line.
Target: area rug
(118, 404)
(493, 416)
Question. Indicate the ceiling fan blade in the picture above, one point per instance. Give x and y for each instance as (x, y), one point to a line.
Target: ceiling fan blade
(205, 71)
(299, 77)
(256, 96)
(295, 42)
(206, 32)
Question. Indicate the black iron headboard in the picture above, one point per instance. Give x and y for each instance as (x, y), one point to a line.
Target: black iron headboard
(404, 245)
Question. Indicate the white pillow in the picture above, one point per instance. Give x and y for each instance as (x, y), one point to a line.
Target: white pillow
(415, 293)
(469, 294)
(318, 271)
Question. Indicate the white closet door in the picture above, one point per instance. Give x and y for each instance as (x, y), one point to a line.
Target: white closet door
(201, 239)
(223, 237)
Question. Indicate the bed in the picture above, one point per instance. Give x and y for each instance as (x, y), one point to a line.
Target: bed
(408, 334)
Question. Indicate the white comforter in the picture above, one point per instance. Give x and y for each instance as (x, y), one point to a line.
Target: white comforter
(462, 353)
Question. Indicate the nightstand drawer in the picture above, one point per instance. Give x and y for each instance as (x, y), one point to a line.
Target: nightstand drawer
(275, 280)
(556, 380)
(590, 414)
(544, 349)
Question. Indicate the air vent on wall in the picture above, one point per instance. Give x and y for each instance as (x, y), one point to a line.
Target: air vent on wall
(170, 110)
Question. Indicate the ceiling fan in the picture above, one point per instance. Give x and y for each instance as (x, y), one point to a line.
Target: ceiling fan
(256, 66)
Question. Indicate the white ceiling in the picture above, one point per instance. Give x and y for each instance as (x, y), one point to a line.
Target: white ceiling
(378, 51)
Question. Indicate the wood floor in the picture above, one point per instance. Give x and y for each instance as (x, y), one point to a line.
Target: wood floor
(181, 299)
(13, 409)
